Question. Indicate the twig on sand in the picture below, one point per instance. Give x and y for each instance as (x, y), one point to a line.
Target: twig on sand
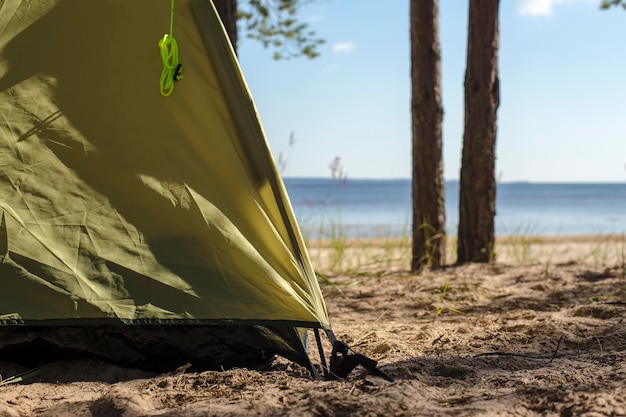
(556, 349)
(438, 339)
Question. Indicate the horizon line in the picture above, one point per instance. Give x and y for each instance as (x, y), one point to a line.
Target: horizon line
(297, 177)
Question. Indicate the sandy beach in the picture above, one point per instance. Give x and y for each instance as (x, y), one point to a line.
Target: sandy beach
(540, 332)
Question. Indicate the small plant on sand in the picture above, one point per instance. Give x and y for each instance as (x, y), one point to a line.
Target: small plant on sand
(548, 263)
(442, 295)
(547, 268)
(332, 250)
(337, 242)
(622, 256)
(599, 253)
(520, 243)
(370, 330)
(431, 241)
(325, 280)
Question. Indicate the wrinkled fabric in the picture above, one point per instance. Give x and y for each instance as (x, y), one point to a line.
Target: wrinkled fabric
(119, 204)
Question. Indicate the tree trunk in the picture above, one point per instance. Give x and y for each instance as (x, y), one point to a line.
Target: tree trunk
(429, 219)
(476, 237)
(227, 9)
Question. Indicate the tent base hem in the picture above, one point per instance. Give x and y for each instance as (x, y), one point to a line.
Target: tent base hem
(158, 348)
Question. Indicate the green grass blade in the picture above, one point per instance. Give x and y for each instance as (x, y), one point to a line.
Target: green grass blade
(15, 379)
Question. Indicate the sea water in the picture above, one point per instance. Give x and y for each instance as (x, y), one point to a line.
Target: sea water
(382, 208)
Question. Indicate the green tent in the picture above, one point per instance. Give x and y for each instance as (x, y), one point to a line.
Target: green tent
(144, 229)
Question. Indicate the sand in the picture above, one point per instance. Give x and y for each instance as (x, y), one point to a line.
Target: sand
(540, 332)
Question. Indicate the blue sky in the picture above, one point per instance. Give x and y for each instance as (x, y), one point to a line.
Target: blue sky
(562, 116)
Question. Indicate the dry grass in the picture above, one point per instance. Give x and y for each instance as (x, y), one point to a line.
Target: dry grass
(382, 256)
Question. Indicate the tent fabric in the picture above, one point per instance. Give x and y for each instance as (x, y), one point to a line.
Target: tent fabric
(118, 205)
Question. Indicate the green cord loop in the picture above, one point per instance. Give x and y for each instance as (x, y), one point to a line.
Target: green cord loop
(169, 55)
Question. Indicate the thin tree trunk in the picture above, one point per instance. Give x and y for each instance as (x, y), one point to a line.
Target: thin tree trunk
(429, 219)
(227, 9)
(476, 236)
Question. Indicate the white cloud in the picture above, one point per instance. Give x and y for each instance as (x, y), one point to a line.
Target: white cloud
(542, 7)
(536, 7)
(342, 47)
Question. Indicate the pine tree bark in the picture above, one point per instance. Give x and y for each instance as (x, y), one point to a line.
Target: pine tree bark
(476, 234)
(429, 219)
(227, 9)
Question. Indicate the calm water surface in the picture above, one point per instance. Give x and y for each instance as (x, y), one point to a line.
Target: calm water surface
(382, 208)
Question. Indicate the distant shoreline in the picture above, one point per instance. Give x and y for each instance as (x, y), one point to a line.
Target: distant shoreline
(386, 255)
(538, 238)
(507, 239)
(456, 181)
